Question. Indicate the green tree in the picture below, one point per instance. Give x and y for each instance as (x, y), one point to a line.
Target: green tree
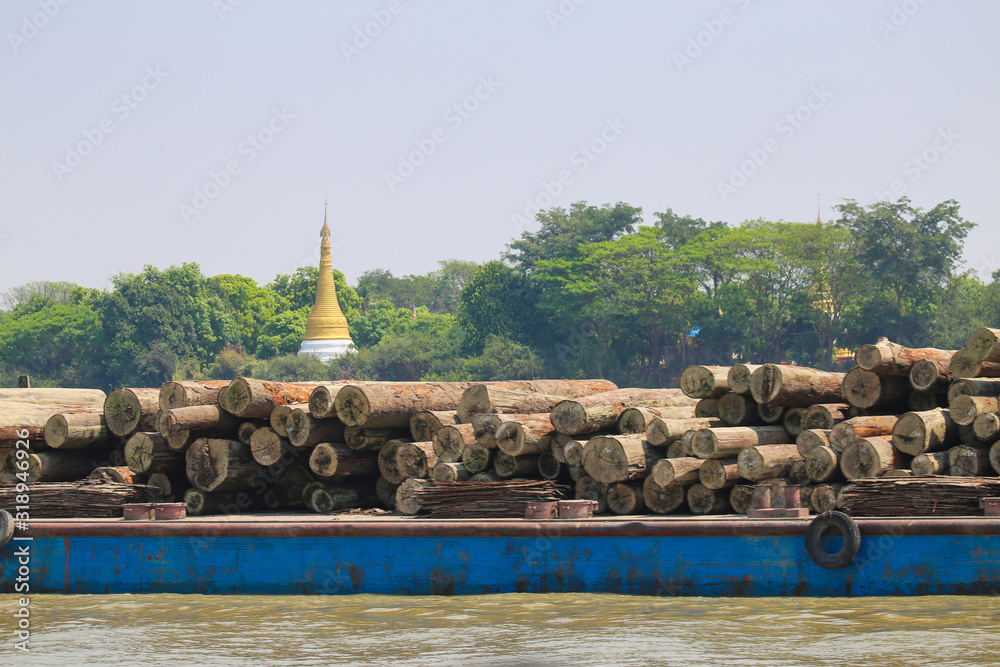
(252, 306)
(299, 290)
(370, 327)
(283, 333)
(503, 359)
(498, 300)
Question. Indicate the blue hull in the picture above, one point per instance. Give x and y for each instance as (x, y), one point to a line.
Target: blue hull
(723, 556)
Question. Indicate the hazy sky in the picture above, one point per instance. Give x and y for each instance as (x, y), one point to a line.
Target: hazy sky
(163, 132)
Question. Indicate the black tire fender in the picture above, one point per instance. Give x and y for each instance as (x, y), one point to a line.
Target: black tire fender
(6, 528)
(852, 540)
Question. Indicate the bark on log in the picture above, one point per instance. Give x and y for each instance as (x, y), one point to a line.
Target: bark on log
(661, 432)
(984, 345)
(387, 461)
(964, 366)
(987, 426)
(337, 497)
(930, 463)
(619, 458)
(721, 443)
(719, 473)
(918, 432)
(304, 430)
(824, 416)
(865, 389)
(450, 442)
(965, 409)
(195, 418)
(120, 474)
(190, 392)
(922, 401)
(508, 397)
(973, 387)
(824, 497)
(50, 466)
(450, 472)
(250, 398)
(53, 396)
(792, 420)
(507, 466)
(372, 439)
(766, 461)
(323, 400)
(267, 447)
(675, 450)
(601, 411)
(124, 409)
(707, 408)
(150, 453)
(626, 498)
(279, 415)
(703, 500)
(82, 430)
(705, 381)
(871, 457)
(662, 499)
(386, 492)
(823, 464)
(739, 377)
(390, 405)
(965, 461)
(530, 435)
(931, 375)
(588, 488)
(811, 439)
(769, 413)
(415, 459)
(335, 459)
(888, 358)
(221, 465)
(791, 386)
(478, 458)
(637, 420)
(425, 423)
(738, 410)
(677, 472)
(846, 432)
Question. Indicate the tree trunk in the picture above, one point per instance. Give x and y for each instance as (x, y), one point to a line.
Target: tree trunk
(372, 439)
(931, 375)
(973, 387)
(588, 488)
(677, 472)
(200, 503)
(824, 497)
(244, 432)
(662, 432)
(845, 433)
(965, 409)
(984, 345)
(450, 472)
(707, 408)
(721, 443)
(987, 426)
(770, 414)
(703, 500)
(415, 459)
(922, 401)
(530, 435)
(994, 456)
(930, 463)
(477, 457)
(619, 458)
(964, 461)
(865, 389)
(267, 447)
(739, 378)
(507, 466)
(179, 442)
(170, 487)
(485, 425)
(304, 430)
(190, 392)
(338, 460)
(387, 461)
(766, 461)
(790, 386)
(279, 415)
(195, 418)
(290, 484)
(637, 420)
(963, 366)
(572, 449)
(811, 439)
(792, 420)
(741, 498)
(888, 358)
(323, 399)
(551, 468)
(918, 432)
(450, 442)
(601, 411)
(221, 465)
(738, 410)
(336, 497)
(662, 499)
(719, 473)
(119, 474)
(822, 464)
(390, 405)
(824, 415)
(81, 430)
(705, 381)
(250, 398)
(386, 492)
(408, 498)
(477, 399)
(50, 466)
(150, 453)
(626, 499)
(425, 423)
(871, 457)
(124, 409)
(53, 396)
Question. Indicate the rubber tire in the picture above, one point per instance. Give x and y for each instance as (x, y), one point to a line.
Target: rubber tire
(852, 540)
(6, 528)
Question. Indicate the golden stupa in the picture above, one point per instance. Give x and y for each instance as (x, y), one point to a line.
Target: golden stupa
(326, 330)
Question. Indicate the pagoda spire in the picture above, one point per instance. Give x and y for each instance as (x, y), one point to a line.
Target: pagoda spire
(327, 321)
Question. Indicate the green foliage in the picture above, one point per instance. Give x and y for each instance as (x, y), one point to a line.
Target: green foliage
(290, 368)
(503, 359)
(497, 300)
(378, 318)
(230, 363)
(437, 291)
(299, 290)
(283, 333)
(252, 306)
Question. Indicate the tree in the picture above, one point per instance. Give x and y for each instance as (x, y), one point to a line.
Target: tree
(299, 289)
(283, 333)
(252, 306)
(58, 292)
(503, 359)
(497, 300)
(369, 328)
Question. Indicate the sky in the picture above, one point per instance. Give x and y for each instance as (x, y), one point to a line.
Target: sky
(158, 133)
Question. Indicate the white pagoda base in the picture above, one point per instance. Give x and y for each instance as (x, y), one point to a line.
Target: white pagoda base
(325, 350)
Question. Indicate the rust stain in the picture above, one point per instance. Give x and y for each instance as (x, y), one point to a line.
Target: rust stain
(66, 563)
(357, 577)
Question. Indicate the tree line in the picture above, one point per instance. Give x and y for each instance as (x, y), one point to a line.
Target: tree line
(591, 292)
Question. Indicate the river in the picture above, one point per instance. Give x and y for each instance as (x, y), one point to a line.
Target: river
(512, 629)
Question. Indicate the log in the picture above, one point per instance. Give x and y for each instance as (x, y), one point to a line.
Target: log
(703, 500)
(705, 381)
(415, 459)
(588, 488)
(335, 459)
(450, 442)
(994, 457)
(267, 447)
(572, 449)
(930, 463)
(662, 432)
(150, 453)
(677, 472)
(124, 409)
(53, 396)
(662, 499)
(169, 487)
(792, 420)
(719, 473)
(984, 345)
(200, 503)
(450, 472)
(507, 466)
(49, 466)
(871, 457)
(601, 411)
(304, 430)
(408, 496)
(687, 442)
(307, 493)
(965, 461)
(766, 461)
(921, 401)
(386, 492)
(973, 387)
(477, 457)
(797, 474)
(481, 397)
(675, 450)
(930, 431)
(811, 439)
(323, 400)
(865, 389)
(963, 366)
(824, 497)
(721, 443)
(186, 393)
(965, 409)
(846, 432)
(824, 416)
(250, 398)
(484, 426)
(425, 423)
(987, 426)
(738, 410)
(822, 464)
(530, 435)
(770, 414)
(337, 497)
(888, 358)
(741, 498)
(81, 430)
(791, 386)
(179, 442)
(387, 461)
(707, 408)
(931, 375)
(215, 464)
(390, 405)
(620, 458)
(279, 415)
(485, 477)
(244, 432)
(372, 439)
(739, 377)
(290, 483)
(626, 498)
(120, 474)
(550, 468)
(637, 420)
(195, 418)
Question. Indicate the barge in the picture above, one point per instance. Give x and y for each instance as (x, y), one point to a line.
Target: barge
(644, 555)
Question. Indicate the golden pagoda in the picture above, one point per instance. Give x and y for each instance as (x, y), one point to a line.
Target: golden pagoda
(327, 336)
